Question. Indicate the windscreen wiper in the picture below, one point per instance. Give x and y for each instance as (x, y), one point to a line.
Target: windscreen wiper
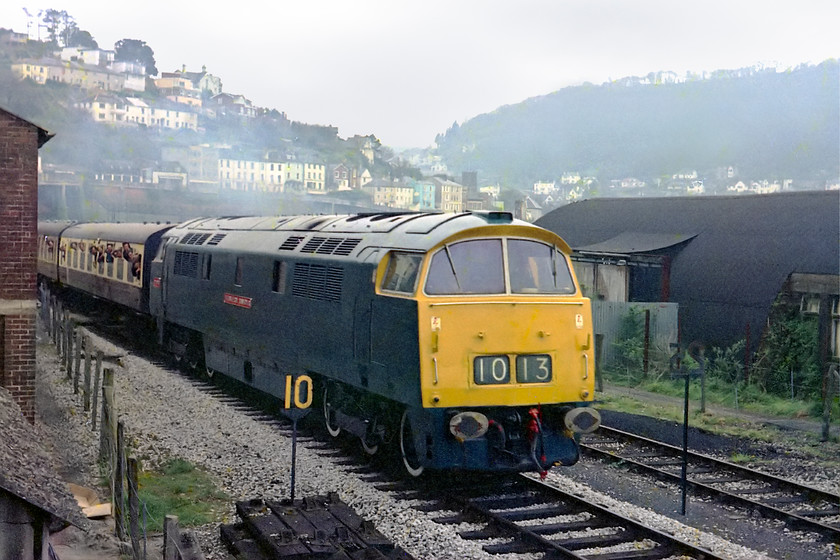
(452, 265)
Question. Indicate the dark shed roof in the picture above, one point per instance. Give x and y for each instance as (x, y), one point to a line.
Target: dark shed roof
(26, 471)
(742, 249)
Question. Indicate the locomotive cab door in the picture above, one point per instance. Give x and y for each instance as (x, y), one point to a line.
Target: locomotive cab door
(157, 290)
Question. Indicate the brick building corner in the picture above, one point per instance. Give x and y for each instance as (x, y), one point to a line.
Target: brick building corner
(19, 144)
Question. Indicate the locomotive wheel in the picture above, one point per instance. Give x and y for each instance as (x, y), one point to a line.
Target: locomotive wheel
(370, 442)
(368, 448)
(329, 416)
(410, 456)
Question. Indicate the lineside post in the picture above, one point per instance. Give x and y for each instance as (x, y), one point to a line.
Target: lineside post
(95, 405)
(119, 490)
(133, 507)
(86, 387)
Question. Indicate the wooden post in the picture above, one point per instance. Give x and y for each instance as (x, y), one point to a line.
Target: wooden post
(133, 507)
(170, 537)
(96, 375)
(67, 335)
(77, 359)
(646, 350)
(119, 475)
(56, 310)
(86, 386)
(105, 438)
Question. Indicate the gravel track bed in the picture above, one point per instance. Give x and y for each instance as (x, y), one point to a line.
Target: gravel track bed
(166, 416)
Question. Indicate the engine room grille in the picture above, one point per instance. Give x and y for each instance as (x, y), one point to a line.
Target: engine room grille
(216, 239)
(291, 243)
(194, 238)
(186, 264)
(316, 281)
(330, 245)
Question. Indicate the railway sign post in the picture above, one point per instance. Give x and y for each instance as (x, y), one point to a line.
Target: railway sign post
(295, 406)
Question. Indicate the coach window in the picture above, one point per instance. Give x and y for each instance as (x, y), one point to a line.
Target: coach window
(401, 275)
(538, 268)
(468, 267)
(237, 278)
(278, 277)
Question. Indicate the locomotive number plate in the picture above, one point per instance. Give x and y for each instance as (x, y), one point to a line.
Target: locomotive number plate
(533, 368)
(495, 370)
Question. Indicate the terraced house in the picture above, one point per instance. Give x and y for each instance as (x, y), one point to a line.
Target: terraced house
(113, 109)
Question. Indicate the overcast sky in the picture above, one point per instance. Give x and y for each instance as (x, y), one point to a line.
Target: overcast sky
(406, 70)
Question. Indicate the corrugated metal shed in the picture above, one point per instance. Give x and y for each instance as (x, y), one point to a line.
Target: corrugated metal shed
(739, 250)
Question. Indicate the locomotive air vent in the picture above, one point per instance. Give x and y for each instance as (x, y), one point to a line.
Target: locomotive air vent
(195, 238)
(291, 243)
(216, 239)
(316, 281)
(330, 245)
(313, 244)
(186, 264)
(347, 246)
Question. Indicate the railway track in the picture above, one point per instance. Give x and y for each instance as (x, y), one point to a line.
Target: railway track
(800, 507)
(526, 516)
(520, 515)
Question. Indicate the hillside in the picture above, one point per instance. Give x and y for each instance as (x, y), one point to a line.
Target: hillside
(784, 124)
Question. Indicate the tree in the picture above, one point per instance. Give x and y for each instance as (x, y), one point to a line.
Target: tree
(58, 24)
(79, 38)
(135, 50)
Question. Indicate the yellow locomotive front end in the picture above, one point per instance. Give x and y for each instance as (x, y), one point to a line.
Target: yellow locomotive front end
(506, 351)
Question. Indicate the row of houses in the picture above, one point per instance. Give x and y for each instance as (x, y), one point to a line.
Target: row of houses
(117, 90)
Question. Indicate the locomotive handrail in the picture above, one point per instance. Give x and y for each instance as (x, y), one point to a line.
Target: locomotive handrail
(436, 369)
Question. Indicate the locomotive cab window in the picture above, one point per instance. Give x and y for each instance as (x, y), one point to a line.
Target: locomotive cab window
(467, 267)
(401, 275)
(538, 268)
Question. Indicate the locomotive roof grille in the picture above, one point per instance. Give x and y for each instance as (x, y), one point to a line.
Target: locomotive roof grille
(330, 246)
(216, 239)
(347, 246)
(291, 243)
(195, 238)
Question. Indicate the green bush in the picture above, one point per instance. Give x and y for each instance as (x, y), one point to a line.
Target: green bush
(790, 345)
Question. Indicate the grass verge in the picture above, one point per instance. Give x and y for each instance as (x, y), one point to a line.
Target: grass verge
(184, 490)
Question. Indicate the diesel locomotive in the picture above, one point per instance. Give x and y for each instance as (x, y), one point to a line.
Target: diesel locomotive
(462, 340)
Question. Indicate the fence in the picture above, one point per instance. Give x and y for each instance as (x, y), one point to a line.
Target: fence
(73, 346)
(606, 321)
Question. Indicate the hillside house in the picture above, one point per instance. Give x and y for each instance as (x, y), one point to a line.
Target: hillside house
(232, 105)
(449, 195)
(113, 109)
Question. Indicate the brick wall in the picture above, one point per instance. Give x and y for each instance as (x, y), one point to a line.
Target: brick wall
(19, 143)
